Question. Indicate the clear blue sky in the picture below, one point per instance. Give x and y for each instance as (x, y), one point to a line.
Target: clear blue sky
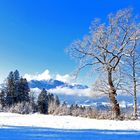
(34, 33)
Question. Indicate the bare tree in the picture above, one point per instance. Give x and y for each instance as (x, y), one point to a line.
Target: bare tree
(101, 84)
(132, 72)
(105, 45)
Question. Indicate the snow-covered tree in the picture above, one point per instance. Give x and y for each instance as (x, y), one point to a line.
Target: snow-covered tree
(21, 108)
(32, 96)
(53, 103)
(56, 100)
(131, 71)
(105, 46)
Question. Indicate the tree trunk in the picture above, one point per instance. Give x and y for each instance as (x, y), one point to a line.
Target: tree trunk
(112, 96)
(134, 86)
(135, 100)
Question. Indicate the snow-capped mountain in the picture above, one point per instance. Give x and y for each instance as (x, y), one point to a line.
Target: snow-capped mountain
(51, 84)
(77, 94)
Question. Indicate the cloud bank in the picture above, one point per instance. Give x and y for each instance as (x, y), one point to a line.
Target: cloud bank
(66, 91)
(69, 91)
(46, 76)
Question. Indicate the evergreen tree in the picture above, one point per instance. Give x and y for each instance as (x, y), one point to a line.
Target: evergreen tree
(10, 88)
(33, 103)
(16, 75)
(2, 98)
(57, 101)
(16, 84)
(43, 102)
(17, 89)
(23, 91)
(50, 98)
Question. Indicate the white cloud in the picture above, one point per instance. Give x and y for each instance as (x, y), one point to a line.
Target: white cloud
(64, 78)
(46, 76)
(69, 91)
(43, 76)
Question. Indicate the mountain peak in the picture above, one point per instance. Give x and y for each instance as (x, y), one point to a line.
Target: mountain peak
(51, 84)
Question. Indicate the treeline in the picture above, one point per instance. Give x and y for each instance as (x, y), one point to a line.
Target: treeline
(16, 97)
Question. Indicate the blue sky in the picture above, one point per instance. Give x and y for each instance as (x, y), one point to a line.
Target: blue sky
(35, 33)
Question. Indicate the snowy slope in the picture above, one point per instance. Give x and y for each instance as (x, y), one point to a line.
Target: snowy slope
(65, 122)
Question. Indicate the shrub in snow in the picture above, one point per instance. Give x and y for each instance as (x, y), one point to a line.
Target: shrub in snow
(21, 108)
(52, 107)
(76, 110)
(1, 108)
(90, 112)
(62, 110)
(105, 115)
(54, 103)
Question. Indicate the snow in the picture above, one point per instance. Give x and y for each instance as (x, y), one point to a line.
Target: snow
(35, 133)
(65, 122)
(46, 127)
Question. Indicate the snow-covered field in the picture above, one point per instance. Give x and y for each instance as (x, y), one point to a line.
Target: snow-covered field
(65, 122)
(46, 127)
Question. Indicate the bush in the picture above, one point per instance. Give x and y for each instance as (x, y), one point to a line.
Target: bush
(62, 110)
(21, 108)
(52, 108)
(1, 108)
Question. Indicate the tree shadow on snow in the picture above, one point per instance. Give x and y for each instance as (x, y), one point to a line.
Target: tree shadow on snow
(37, 133)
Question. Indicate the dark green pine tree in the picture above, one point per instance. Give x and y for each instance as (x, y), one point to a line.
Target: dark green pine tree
(10, 89)
(16, 75)
(16, 83)
(43, 102)
(2, 98)
(50, 98)
(16, 89)
(23, 91)
(57, 101)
